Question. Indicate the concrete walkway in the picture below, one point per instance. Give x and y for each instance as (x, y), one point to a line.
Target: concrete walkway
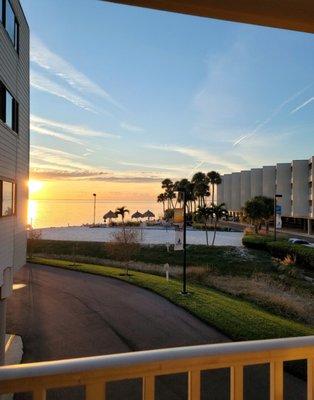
(64, 314)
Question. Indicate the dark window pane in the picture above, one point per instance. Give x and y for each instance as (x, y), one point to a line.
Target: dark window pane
(9, 110)
(7, 198)
(2, 101)
(16, 36)
(10, 21)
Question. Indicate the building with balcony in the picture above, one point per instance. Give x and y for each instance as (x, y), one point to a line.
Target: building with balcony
(14, 147)
(294, 181)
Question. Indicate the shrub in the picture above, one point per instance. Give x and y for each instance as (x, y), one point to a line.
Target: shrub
(303, 255)
(124, 245)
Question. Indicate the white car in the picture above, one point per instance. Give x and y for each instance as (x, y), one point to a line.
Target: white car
(301, 241)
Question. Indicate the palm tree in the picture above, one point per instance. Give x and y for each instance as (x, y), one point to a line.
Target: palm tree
(168, 185)
(187, 187)
(217, 211)
(204, 213)
(161, 198)
(122, 211)
(201, 190)
(214, 179)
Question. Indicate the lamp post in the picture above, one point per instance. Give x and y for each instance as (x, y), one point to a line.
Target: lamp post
(184, 288)
(184, 291)
(277, 196)
(94, 195)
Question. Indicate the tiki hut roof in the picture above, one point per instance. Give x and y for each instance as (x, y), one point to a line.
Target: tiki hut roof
(137, 215)
(110, 214)
(148, 214)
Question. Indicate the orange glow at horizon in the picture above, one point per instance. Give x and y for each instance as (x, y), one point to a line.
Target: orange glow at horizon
(83, 190)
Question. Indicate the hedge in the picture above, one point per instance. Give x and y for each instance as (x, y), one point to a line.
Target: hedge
(304, 255)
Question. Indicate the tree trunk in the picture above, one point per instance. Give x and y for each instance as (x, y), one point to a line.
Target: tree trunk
(206, 232)
(213, 193)
(215, 229)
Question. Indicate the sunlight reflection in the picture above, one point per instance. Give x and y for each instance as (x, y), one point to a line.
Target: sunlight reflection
(32, 211)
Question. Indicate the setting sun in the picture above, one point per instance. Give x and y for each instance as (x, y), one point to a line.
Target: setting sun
(34, 186)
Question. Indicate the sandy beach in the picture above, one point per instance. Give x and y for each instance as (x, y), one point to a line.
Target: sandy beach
(148, 235)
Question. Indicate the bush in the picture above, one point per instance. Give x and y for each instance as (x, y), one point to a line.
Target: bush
(303, 255)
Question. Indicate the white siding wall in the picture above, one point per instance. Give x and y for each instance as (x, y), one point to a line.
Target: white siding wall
(256, 182)
(14, 148)
(311, 186)
(227, 190)
(300, 188)
(269, 181)
(283, 187)
(245, 187)
(220, 193)
(235, 191)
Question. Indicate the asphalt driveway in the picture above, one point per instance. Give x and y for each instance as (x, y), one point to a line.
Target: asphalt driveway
(65, 314)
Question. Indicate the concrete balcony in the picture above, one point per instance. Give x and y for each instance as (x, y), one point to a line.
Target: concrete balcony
(95, 372)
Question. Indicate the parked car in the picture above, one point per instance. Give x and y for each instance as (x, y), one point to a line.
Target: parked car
(301, 241)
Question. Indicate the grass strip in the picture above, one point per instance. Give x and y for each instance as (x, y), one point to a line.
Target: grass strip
(236, 318)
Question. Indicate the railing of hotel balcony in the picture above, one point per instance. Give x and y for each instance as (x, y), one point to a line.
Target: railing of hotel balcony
(95, 372)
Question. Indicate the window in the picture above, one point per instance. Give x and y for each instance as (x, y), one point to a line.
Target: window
(9, 21)
(7, 198)
(9, 108)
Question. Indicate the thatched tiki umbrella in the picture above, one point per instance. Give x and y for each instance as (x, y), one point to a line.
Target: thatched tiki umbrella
(137, 215)
(109, 215)
(148, 214)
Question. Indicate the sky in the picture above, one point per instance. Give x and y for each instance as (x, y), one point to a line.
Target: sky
(123, 97)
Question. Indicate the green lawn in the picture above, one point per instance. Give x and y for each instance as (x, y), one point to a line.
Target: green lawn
(236, 318)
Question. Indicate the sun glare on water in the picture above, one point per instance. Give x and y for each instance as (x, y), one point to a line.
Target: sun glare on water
(33, 187)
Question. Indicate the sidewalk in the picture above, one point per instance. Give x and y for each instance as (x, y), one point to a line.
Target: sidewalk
(290, 232)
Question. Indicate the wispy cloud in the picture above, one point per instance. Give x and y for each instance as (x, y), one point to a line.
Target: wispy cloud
(132, 128)
(202, 157)
(49, 163)
(41, 82)
(302, 105)
(181, 168)
(42, 155)
(41, 55)
(61, 136)
(76, 130)
(274, 113)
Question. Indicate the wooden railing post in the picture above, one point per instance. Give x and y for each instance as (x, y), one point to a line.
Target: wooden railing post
(148, 387)
(236, 382)
(276, 380)
(310, 379)
(194, 385)
(95, 391)
(39, 394)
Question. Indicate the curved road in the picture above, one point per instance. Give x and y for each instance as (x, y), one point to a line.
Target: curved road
(64, 314)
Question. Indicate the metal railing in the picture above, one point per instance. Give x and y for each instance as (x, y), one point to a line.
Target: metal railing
(95, 372)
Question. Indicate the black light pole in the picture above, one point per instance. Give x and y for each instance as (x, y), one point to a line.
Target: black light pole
(275, 214)
(94, 194)
(184, 291)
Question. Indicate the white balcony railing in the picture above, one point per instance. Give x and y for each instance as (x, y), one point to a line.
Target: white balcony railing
(95, 372)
